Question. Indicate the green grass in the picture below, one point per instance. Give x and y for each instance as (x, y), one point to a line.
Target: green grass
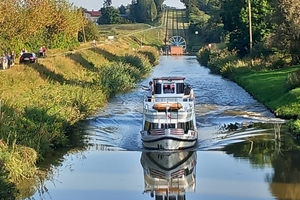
(275, 86)
(42, 100)
(268, 87)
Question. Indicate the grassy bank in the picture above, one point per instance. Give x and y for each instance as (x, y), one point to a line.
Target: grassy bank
(270, 81)
(41, 101)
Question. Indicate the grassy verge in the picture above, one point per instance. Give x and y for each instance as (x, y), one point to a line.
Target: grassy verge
(274, 85)
(41, 101)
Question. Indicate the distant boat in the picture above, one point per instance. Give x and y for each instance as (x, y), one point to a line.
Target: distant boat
(169, 118)
(169, 175)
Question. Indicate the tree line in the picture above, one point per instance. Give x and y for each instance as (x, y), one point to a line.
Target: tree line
(275, 25)
(31, 24)
(141, 11)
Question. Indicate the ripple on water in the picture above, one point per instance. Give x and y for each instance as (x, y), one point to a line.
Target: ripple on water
(225, 112)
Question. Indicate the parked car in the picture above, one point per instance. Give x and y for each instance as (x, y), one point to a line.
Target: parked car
(28, 58)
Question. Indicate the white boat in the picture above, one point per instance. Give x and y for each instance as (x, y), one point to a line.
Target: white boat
(169, 175)
(169, 117)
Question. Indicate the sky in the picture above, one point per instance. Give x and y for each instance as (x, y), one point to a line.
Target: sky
(97, 4)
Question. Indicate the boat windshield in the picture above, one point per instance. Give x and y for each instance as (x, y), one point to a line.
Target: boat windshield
(168, 88)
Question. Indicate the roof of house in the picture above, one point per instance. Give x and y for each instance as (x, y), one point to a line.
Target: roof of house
(94, 13)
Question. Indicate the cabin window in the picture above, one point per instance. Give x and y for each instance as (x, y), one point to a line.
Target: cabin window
(147, 126)
(179, 88)
(159, 197)
(167, 125)
(157, 88)
(186, 126)
(169, 88)
(180, 125)
(190, 125)
(154, 125)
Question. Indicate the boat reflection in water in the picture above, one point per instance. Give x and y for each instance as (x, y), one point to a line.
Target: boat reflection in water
(169, 175)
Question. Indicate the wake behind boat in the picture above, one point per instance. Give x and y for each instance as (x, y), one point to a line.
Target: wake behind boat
(169, 115)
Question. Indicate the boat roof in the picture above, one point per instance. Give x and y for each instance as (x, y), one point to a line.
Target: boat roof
(169, 78)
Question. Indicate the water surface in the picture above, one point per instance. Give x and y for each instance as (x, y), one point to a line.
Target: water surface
(237, 155)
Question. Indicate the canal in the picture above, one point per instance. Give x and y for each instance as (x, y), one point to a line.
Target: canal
(243, 150)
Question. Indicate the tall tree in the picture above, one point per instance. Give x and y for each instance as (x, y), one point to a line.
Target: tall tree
(158, 4)
(146, 11)
(287, 36)
(110, 15)
(107, 3)
(122, 9)
(235, 17)
(31, 23)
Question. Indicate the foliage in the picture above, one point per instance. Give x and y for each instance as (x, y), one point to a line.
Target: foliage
(292, 81)
(287, 35)
(122, 9)
(23, 27)
(151, 55)
(198, 17)
(107, 3)
(139, 61)
(158, 4)
(110, 15)
(144, 11)
(116, 77)
(204, 17)
(235, 16)
(91, 32)
(203, 56)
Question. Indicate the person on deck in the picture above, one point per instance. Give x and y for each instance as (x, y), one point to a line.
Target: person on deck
(149, 89)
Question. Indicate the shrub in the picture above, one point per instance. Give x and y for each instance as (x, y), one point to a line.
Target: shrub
(116, 78)
(139, 61)
(203, 56)
(151, 54)
(292, 81)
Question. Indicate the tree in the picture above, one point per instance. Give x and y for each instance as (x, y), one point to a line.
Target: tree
(107, 3)
(158, 4)
(146, 11)
(31, 24)
(91, 32)
(287, 35)
(235, 17)
(110, 15)
(122, 9)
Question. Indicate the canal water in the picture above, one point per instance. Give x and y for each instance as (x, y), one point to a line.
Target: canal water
(243, 150)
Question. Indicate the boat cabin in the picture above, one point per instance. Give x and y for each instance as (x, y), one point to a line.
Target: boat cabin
(166, 86)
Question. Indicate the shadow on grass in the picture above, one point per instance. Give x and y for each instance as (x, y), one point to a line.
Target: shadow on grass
(109, 56)
(45, 73)
(76, 57)
(135, 39)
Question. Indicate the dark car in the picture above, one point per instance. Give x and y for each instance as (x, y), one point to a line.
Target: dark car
(28, 58)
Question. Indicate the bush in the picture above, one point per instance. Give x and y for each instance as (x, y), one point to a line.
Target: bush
(139, 61)
(292, 81)
(151, 54)
(203, 56)
(116, 77)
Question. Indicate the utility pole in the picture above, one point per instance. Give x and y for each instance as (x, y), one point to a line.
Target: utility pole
(250, 25)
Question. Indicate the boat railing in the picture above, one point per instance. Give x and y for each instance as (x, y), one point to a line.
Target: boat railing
(173, 131)
(186, 98)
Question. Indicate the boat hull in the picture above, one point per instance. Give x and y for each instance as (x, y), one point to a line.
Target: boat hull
(168, 142)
